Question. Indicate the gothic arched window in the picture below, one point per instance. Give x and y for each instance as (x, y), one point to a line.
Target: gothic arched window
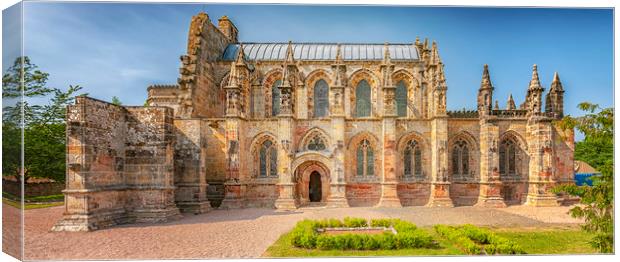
(412, 158)
(268, 159)
(316, 144)
(275, 98)
(365, 159)
(460, 158)
(508, 158)
(321, 98)
(362, 99)
(401, 98)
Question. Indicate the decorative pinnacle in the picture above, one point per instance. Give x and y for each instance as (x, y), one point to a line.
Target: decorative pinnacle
(535, 82)
(338, 55)
(556, 85)
(417, 40)
(240, 55)
(486, 78)
(386, 53)
(496, 105)
(289, 51)
(510, 105)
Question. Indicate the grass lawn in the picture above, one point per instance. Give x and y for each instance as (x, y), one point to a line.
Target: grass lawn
(27, 205)
(533, 241)
(541, 241)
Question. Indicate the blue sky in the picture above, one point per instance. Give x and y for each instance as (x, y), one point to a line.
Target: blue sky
(120, 49)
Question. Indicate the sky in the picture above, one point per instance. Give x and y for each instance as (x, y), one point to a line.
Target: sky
(118, 49)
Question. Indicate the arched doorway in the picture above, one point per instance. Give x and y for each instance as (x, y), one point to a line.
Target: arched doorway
(312, 182)
(314, 187)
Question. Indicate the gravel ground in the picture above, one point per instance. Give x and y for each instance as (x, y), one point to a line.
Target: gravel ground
(11, 239)
(243, 233)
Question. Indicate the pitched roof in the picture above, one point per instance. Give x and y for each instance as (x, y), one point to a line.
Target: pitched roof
(584, 168)
(320, 51)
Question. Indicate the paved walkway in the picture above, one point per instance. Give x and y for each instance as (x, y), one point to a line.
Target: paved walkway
(244, 233)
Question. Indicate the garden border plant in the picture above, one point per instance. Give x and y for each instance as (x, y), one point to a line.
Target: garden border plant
(474, 240)
(306, 235)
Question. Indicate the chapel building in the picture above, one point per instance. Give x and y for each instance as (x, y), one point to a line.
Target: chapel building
(286, 125)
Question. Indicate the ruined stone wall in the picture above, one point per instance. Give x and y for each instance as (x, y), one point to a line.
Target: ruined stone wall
(119, 165)
(564, 147)
(95, 193)
(215, 159)
(207, 43)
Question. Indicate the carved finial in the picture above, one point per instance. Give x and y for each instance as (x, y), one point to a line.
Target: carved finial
(435, 59)
(510, 105)
(417, 40)
(289, 52)
(486, 78)
(338, 54)
(233, 80)
(425, 43)
(496, 105)
(240, 60)
(535, 82)
(556, 85)
(386, 53)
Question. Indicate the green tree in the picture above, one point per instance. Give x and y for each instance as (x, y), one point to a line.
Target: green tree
(596, 149)
(43, 125)
(116, 101)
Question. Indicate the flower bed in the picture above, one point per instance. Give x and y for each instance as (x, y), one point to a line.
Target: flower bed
(475, 240)
(397, 234)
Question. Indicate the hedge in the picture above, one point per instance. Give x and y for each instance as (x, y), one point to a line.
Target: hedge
(471, 238)
(305, 235)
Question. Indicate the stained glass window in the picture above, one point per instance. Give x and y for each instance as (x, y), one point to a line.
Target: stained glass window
(460, 158)
(401, 98)
(465, 160)
(321, 98)
(365, 159)
(362, 99)
(275, 98)
(268, 159)
(456, 157)
(508, 157)
(316, 144)
(412, 158)
(360, 161)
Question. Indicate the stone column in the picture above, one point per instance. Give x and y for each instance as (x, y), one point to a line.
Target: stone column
(541, 178)
(190, 173)
(286, 187)
(337, 197)
(234, 190)
(440, 185)
(489, 166)
(389, 183)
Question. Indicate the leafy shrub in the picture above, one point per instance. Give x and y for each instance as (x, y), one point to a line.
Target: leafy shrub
(324, 242)
(329, 223)
(476, 234)
(468, 237)
(386, 241)
(304, 235)
(381, 222)
(456, 235)
(403, 226)
(355, 222)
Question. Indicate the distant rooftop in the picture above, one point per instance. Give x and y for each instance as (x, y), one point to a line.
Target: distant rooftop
(584, 168)
(320, 51)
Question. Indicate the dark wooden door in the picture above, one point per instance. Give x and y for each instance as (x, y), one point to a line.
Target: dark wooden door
(315, 187)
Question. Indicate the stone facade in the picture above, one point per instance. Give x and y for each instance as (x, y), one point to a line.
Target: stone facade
(286, 124)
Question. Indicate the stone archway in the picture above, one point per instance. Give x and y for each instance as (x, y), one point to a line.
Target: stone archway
(312, 182)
